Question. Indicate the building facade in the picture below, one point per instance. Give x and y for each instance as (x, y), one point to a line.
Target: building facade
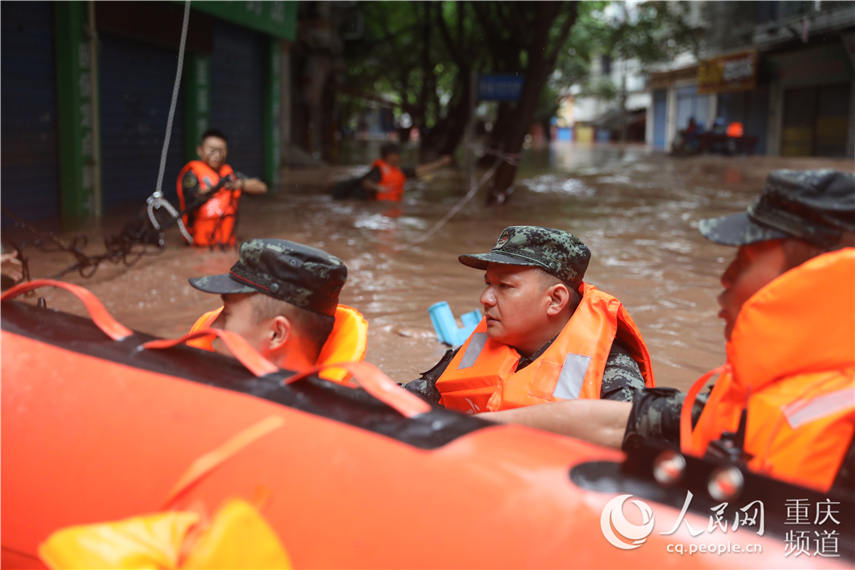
(784, 70)
(86, 90)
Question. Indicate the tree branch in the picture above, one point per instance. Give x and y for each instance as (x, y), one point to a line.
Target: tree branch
(368, 96)
(454, 50)
(498, 47)
(519, 23)
(572, 14)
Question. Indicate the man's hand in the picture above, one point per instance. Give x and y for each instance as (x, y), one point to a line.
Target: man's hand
(234, 184)
(599, 421)
(424, 169)
(12, 266)
(372, 186)
(253, 186)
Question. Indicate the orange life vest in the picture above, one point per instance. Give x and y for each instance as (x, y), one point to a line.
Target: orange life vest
(392, 180)
(347, 340)
(482, 375)
(212, 223)
(791, 364)
(734, 130)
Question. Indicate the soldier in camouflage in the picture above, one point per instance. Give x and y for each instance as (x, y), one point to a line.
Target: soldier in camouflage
(527, 266)
(799, 215)
(281, 296)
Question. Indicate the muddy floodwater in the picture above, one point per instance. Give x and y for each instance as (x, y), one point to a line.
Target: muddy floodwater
(636, 210)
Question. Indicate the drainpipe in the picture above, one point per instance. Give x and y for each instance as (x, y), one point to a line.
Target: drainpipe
(94, 101)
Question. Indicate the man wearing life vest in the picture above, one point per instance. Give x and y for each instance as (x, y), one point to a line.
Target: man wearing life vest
(211, 220)
(784, 402)
(546, 335)
(385, 181)
(282, 297)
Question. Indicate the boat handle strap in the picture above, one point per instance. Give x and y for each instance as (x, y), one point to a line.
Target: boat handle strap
(368, 376)
(102, 319)
(376, 383)
(237, 345)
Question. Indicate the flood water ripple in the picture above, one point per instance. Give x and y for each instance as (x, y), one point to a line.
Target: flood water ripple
(637, 212)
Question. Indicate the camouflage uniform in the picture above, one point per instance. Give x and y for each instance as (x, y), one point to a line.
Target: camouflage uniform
(193, 196)
(564, 256)
(559, 253)
(655, 416)
(304, 276)
(816, 206)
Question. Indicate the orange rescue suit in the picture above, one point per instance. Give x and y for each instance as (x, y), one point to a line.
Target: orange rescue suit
(347, 341)
(392, 179)
(482, 375)
(214, 221)
(791, 364)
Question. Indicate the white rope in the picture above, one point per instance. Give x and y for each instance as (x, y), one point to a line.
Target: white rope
(175, 87)
(512, 159)
(473, 189)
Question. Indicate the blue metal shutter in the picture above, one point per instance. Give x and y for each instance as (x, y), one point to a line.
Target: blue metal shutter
(690, 104)
(237, 95)
(136, 88)
(30, 187)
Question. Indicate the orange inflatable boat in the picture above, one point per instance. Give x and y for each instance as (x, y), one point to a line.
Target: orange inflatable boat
(101, 423)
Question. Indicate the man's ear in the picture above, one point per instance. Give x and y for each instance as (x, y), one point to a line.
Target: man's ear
(558, 296)
(199, 151)
(279, 332)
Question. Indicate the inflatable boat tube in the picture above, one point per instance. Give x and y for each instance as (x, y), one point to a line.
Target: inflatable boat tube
(100, 422)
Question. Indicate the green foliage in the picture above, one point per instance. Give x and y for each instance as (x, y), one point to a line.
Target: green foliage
(547, 103)
(586, 40)
(402, 57)
(405, 55)
(650, 32)
(653, 32)
(601, 88)
(419, 55)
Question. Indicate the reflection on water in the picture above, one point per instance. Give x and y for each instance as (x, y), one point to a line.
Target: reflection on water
(637, 212)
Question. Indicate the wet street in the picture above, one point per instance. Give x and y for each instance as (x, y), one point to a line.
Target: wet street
(637, 211)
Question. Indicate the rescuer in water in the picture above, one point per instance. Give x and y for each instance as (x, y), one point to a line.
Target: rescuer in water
(211, 219)
(787, 390)
(386, 179)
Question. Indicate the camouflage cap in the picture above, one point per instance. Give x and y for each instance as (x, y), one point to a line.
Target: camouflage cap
(557, 252)
(817, 206)
(304, 276)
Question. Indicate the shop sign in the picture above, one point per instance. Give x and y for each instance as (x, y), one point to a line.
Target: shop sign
(734, 72)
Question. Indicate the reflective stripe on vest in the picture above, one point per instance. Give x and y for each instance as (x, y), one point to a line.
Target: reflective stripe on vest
(483, 374)
(473, 349)
(570, 379)
(572, 376)
(820, 407)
